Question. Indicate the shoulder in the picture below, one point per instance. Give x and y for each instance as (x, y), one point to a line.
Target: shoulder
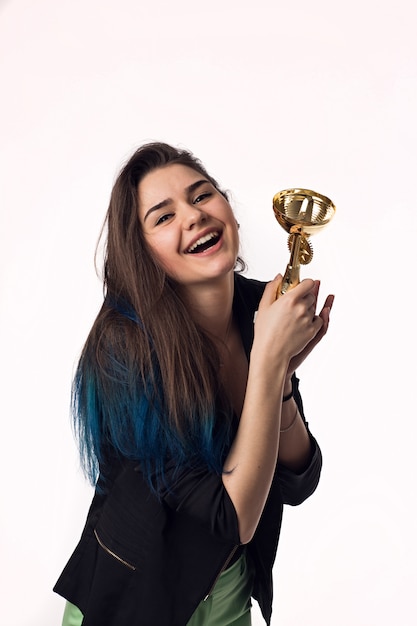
(249, 291)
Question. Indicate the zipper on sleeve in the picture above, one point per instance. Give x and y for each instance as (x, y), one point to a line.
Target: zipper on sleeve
(229, 558)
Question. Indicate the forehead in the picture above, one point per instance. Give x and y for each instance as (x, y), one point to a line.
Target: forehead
(164, 182)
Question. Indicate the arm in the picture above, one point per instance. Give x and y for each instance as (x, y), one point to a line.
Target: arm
(283, 329)
(295, 446)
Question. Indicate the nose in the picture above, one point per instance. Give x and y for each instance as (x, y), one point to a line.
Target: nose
(193, 216)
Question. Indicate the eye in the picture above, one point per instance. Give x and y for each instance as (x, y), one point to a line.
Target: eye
(163, 218)
(201, 197)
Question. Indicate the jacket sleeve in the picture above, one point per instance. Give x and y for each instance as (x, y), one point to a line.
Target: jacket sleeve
(201, 495)
(297, 487)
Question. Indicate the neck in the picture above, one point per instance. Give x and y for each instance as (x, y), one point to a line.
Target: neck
(211, 305)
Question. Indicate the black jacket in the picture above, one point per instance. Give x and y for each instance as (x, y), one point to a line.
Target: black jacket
(150, 563)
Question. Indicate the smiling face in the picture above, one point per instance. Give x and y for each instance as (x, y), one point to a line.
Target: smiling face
(188, 225)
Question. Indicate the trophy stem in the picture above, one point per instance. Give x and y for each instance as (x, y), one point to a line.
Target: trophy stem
(291, 276)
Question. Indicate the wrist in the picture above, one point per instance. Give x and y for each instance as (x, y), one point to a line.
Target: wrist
(275, 365)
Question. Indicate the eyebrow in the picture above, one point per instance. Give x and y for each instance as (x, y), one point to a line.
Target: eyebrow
(168, 201)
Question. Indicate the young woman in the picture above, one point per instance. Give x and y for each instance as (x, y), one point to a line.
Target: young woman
(187, 411)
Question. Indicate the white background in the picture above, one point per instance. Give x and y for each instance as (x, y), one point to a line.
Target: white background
(269, 95)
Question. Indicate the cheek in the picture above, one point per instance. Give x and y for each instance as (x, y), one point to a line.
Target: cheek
(161, 250)
(236, 237)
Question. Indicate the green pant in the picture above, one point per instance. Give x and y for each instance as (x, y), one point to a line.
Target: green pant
(72, 615)
(228, 605)
(230, 602)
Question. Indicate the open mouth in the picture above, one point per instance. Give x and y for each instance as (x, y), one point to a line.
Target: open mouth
(204, 243)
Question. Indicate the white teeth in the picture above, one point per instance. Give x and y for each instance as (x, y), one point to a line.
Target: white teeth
(202, 240)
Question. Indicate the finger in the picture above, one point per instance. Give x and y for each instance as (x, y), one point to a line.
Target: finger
(318, 323)
(307, 286)
(270, 292)
(315, 291)
(327, 307)
(329, 302)
(310, 301)
(316, 288)
(325, 316)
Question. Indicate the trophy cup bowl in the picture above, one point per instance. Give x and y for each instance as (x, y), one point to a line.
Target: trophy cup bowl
(301, 213)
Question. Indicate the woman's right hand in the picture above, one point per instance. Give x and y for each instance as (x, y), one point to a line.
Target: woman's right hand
(284, 327)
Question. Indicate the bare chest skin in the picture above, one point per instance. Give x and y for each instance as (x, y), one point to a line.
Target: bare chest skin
(234, 369)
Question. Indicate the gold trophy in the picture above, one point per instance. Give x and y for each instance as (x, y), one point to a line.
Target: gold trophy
(302, 213)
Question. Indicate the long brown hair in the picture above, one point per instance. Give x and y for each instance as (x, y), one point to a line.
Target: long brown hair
(144, 337)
